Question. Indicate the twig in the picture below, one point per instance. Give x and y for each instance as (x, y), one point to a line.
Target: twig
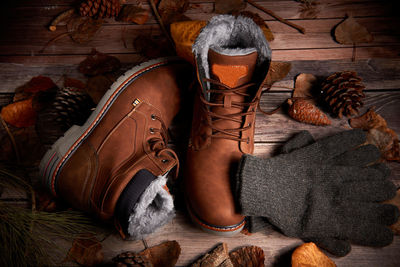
(14, 144)
(53, 40)
(61, 17)
(154, 8)
(272, 14)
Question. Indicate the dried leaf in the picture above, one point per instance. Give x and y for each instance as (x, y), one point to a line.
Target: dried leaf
(36, 84)
(308, 9)
(218, 257)
(98, 63)
(74, 83)
(229, 6)
(152, 46)
(83, 29)
(248, 256)
(368, 120)
(309, 255)
(350, 32)
(97, 86)
(134, 14)
(304, 85)
(164, 255)
(277, 71)
(30, 150)
(395, 201)
(184, 34)
(19, 114)
(259, 21)
(175, 6)
(86, 250)
(379, 134)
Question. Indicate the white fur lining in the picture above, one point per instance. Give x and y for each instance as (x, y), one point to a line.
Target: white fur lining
(230, 35)
(154, 209)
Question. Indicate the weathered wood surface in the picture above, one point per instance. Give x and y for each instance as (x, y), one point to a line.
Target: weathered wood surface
(277, 247)
(377, 73)
(28, 23)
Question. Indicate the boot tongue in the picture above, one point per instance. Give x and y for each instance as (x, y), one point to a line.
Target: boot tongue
(232, 70)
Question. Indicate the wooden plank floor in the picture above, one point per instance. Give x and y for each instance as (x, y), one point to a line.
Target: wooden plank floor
(24, 34)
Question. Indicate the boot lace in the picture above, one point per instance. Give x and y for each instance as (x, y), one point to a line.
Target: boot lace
(158, 143)
(230, 133)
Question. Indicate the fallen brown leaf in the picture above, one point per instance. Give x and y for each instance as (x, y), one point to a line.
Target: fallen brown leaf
(379, 134)
(98, 63)
(177, 6)
(19, 114)
(35, 85)
(309, 255)
(218, 257)
(259, 21)
(173, 11)
(368, 120)
(350, 32)
(277, 71)
(134, 14)
(164, 255)
(251, 256)
(97, 86)
(86, 250)
(74, 83)
(83, 29)
(395, 201)
(228, 6)
(184, 34)
(304, 85)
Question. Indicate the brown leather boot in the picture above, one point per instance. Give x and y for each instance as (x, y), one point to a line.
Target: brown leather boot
(124, 142)
(232, 60)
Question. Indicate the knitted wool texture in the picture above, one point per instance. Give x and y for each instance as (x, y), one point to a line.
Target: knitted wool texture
(322, 192)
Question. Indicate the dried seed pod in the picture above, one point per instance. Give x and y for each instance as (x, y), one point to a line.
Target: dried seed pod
(343, 93)
(303, 111)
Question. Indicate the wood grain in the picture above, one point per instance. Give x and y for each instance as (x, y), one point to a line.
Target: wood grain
(377, 74)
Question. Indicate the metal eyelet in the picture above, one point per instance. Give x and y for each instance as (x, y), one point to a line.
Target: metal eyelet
(153, 117)
(151, 130)
(164, 160)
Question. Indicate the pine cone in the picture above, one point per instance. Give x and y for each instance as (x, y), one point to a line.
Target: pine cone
(343, 93)
(100, 8)
(70, 106)
(128, 259)
(303, 111)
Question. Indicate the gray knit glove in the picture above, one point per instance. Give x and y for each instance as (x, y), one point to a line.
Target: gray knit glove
(322, 192)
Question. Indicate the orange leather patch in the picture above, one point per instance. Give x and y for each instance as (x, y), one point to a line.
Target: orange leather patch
(229, 74)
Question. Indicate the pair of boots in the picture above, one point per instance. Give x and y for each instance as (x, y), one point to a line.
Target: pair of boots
(116, 164)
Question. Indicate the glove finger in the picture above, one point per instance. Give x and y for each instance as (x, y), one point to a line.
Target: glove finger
(361, 156)
(368, 190)
(299, 140)
(383, 168)
(342, 174)
(332, 146)
(371, 213)
(374, 235)
(334, 246)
